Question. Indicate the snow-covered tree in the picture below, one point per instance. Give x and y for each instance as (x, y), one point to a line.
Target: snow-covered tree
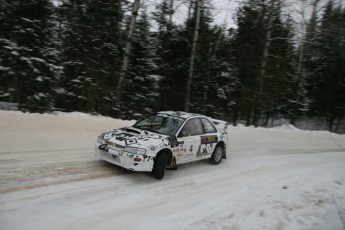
(28, 54)
(262, 43)
(327, 81)
(140, 87)
(91, 53)
(171, 58)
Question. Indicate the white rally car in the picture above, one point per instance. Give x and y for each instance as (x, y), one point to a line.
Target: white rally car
(163, 141)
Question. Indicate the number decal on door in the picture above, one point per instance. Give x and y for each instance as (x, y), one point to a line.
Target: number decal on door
(205, 149)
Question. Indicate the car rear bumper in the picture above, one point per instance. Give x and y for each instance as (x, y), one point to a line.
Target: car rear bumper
(126, 160)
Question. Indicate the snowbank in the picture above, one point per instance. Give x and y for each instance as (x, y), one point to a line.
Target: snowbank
(287, 127)
(33, 131)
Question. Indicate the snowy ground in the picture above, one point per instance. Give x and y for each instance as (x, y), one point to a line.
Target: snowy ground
(278, 178)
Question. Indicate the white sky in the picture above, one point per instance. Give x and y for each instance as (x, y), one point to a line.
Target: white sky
(224, 10)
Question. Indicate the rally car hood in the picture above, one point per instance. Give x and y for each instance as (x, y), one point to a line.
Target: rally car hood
(133, 137)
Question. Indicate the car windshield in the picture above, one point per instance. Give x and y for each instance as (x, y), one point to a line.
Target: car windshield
(160, 123)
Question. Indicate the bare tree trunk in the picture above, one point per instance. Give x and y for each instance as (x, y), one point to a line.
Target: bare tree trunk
(125, 59)
(303, 50)
(300, 77)
(119, 15)
(171, 13)
(193, 54)
(259, 85)
(190, 9)
(206, 86)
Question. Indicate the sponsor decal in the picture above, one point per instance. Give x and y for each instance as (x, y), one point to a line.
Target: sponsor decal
(148, 158)
(205, 149)
(114, 145)
(180, 150)
(207, 145)
(152, 147)
(123, 136)
(209, 139)
(131, 141)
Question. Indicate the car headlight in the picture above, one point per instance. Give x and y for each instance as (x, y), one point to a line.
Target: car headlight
(135, 150)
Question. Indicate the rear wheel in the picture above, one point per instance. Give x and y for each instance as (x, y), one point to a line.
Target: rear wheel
(159, 166)
(217, 155)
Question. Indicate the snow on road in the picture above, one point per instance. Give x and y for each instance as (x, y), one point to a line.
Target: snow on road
(272, 179)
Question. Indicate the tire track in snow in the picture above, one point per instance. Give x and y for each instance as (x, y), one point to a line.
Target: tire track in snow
(45, 151)
(37, 169)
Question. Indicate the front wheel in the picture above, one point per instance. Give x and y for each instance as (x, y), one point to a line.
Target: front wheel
(217, 155)
(159, 166)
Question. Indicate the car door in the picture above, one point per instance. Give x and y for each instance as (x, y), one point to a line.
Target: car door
(189, 140)
(208, 141)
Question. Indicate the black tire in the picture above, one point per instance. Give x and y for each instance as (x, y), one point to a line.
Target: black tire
(159, 166)
(217, 155)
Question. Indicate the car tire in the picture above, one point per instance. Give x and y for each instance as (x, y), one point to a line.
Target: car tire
(217, 155)
(159, 166)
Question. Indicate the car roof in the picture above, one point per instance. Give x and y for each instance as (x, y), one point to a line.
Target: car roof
(185, 115)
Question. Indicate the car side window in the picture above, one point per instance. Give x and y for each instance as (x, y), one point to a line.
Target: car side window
(191, 128)
(209, 128)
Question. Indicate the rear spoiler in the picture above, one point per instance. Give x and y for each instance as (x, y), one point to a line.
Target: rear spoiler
(220, 124)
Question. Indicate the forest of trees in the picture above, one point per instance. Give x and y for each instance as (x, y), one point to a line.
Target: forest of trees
(116, 58)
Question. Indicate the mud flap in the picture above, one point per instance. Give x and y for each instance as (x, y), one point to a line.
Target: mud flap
(172, 166)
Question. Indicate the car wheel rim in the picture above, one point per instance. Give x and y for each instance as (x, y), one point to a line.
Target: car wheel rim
(218, 155)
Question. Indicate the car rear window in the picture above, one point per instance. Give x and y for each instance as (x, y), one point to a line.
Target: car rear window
(208, 126)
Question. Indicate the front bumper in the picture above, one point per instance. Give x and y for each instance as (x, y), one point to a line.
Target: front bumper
(126, 160)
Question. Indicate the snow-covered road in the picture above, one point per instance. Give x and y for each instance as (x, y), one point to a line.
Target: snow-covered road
(272, 179)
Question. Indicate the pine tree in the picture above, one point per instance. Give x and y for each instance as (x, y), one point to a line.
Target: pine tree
(171, 46)
(291, 108)
(305, 54)
(92, 36)
(214, 74)
(262, 42)
(328, 79)
(140, 87)
(28, 54)
(249, 49)
(222, 76)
